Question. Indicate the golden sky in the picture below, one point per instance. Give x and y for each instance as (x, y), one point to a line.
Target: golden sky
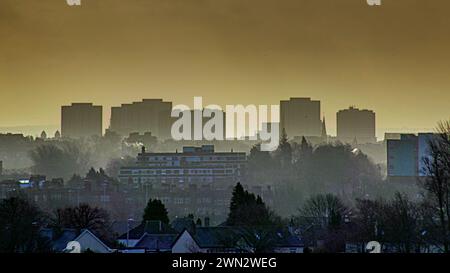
(394, 59)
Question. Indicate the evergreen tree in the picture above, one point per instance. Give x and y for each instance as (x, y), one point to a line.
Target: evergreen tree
(236, 200)
(306, 149)
(246, 209)
(260, 167)
(284, 151)
(155, 211)
(304, 153)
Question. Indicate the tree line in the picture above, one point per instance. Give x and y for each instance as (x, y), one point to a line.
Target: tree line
(326, 222)
(299, 170)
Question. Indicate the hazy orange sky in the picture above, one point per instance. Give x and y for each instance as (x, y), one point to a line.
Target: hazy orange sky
(394, 59)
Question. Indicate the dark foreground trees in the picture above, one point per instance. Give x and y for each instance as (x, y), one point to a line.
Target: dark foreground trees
(20, 222)
(253, 220)
(84, 217)
(246, 209)
(398, 224)
(155, 211)
(322, 219)
(437, 183)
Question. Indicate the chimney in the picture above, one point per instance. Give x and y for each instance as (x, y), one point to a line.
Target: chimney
(198, 223)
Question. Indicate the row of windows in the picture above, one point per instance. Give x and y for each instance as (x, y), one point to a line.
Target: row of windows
(177, 172)
(175, 180)
(198, 158)
(190, 180)
(192, 163)
(187, 201)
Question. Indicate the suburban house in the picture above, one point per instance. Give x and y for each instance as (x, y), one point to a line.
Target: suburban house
(88, 242)
(156, 243)
(210, 240)
(288, 243)
(231, 240)
(151, 236)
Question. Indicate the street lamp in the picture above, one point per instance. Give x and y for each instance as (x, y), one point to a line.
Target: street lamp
(128, 230)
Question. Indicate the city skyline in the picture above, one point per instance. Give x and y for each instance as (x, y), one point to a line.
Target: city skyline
(229, 52)
(245, 132)
(36, 130)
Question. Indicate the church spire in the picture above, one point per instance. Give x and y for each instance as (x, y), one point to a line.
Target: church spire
(324, 129)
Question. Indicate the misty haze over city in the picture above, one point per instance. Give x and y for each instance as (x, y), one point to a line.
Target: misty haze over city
(224, 127)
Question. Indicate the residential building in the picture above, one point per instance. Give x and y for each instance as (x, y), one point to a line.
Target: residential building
(143, 233)
(156, 243)
(81, 120)
(15, 150)
(148, 115)
(355, 125)
(197, 180)
(223, 239)
(63, 240)
(192, 166)
(405, 155)
(300, 117)
(195, 123)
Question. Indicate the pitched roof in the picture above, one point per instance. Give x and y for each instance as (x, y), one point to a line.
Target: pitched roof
(217, 237)
(86, 232)
(59, 243)
(120, 227)
(231, 237)
(285, 239)
(180, 224)
(156, 242)
(149, 227)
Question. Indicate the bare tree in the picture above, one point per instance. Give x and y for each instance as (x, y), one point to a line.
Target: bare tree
(20, 222)
(368, 222)
(84, 217)
(437, 183)
(60, 160)
(402, 224)
(326, 211)
(322, 219)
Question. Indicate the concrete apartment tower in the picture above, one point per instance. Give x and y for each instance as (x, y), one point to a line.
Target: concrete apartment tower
(81, 120)
(355, 124)
(148, 115)
(300, 117)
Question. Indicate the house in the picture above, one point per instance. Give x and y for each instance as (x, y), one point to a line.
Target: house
(210, 240)
(87, 240)
(286, 242)
(224, 239)
(156, 243)
(361, 247)
(120, 227)
(134, 236)
(59, 240)
(185, 243)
